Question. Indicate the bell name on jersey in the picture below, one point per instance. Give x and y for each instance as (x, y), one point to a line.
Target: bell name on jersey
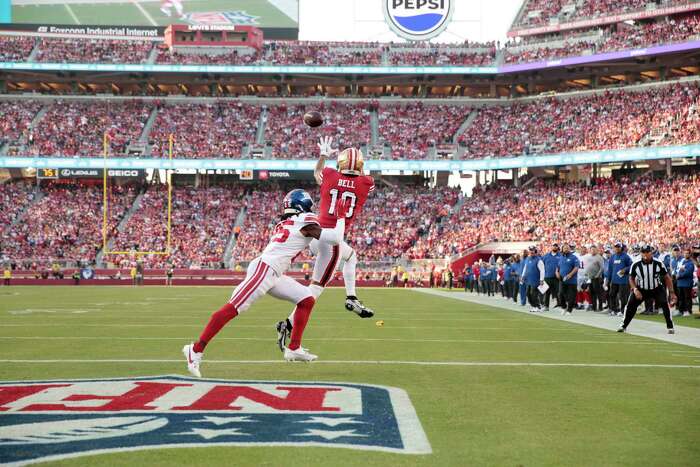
(351, 190)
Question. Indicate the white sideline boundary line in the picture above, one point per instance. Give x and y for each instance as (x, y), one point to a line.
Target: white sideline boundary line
(374, 362)
(333, 339)
(642, 328)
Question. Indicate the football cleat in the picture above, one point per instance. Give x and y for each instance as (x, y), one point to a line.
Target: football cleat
(621, 329)
(284, 331)
(194, 359)
(671, 331)
(299, 355)
(356, 306)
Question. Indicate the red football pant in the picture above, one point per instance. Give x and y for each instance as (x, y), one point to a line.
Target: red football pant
(301, 317)
(217, 321)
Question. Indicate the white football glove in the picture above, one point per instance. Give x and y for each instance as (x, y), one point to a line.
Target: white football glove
(324, 145)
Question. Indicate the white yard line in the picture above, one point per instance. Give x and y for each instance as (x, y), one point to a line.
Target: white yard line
(150, 19)
(260, 326)
(372, 362)
(71, 13)
(335, 339)
(684, 335)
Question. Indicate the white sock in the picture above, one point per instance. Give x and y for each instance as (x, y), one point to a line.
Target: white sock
(349, 275)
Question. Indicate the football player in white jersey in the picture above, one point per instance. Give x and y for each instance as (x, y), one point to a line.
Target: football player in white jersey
(265, 275)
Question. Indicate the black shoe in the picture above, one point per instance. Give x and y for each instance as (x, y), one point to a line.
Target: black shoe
(284, 331)
(355, 305)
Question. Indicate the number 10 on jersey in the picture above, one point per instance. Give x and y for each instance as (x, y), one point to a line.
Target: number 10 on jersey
(345, 197)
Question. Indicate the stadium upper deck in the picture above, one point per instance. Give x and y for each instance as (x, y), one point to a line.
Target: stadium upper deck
(390, 130)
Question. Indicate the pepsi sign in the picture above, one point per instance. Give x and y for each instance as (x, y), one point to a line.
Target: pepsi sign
(418, 20)
(60, 419)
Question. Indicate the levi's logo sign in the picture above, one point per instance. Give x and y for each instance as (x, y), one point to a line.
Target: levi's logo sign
(47, 420)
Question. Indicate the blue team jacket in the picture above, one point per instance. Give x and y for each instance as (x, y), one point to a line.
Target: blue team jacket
(684, 278)
(617, 263)
(532, 272)
(568, 263)
(550, 264)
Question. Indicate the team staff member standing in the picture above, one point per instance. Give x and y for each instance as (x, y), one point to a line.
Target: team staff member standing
(533, 276)
(647, 279)
(567, 272)
(618, 277)
(551, 262)
(685, 270)
(594, 273)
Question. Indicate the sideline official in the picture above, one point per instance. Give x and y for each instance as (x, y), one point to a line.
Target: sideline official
(647, 279)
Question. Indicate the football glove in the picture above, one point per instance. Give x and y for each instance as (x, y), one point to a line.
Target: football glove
(324, 145)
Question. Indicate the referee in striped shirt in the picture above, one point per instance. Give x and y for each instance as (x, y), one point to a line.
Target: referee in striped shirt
(649, 279)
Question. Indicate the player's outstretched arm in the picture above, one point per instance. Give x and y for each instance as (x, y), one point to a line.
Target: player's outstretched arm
(324, 146)
(331, 236)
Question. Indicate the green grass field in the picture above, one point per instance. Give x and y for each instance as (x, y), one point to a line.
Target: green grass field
(128, 13)
(486, 414)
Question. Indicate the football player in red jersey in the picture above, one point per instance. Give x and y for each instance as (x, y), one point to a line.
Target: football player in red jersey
(345, 188)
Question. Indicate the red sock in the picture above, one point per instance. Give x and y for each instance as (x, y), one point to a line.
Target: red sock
(217, 321)
(301, 317)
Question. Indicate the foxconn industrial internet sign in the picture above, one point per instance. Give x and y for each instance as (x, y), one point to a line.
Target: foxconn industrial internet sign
(418, 20)
(59, 419)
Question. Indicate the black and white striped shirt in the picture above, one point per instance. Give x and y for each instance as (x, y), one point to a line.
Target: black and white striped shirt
(648, 275)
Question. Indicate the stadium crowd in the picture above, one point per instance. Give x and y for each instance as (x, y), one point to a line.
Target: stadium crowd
(540, 12)
(411, 129)
(64, 224)
(611, 120)
(71, 128)
(289, 137)
(321, 53)
(166, 56)
(202, 221)
(14, 200)
(395, 218)
(262, 214)
(668, 30)
(607, 120)
(93, 51)
(16, 119)
(16, 48)
(220, 129)
(661, 212)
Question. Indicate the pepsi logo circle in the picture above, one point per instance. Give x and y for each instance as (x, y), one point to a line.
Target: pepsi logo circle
(418, 20)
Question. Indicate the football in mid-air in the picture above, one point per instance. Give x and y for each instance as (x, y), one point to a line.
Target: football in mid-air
(313, 118)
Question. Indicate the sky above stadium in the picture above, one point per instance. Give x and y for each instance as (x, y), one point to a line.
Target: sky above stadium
(363, 20)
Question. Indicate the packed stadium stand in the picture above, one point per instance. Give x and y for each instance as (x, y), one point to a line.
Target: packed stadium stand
(202, 221)
(660, 31)
(16, 48)
(289, 138)
(400, 216)
(92, 51)
(221, 129)
(229, 129)
(541, 12)
(610, 120)
(413, 128)
(77, 128)
(658, 211)
(64, 223)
